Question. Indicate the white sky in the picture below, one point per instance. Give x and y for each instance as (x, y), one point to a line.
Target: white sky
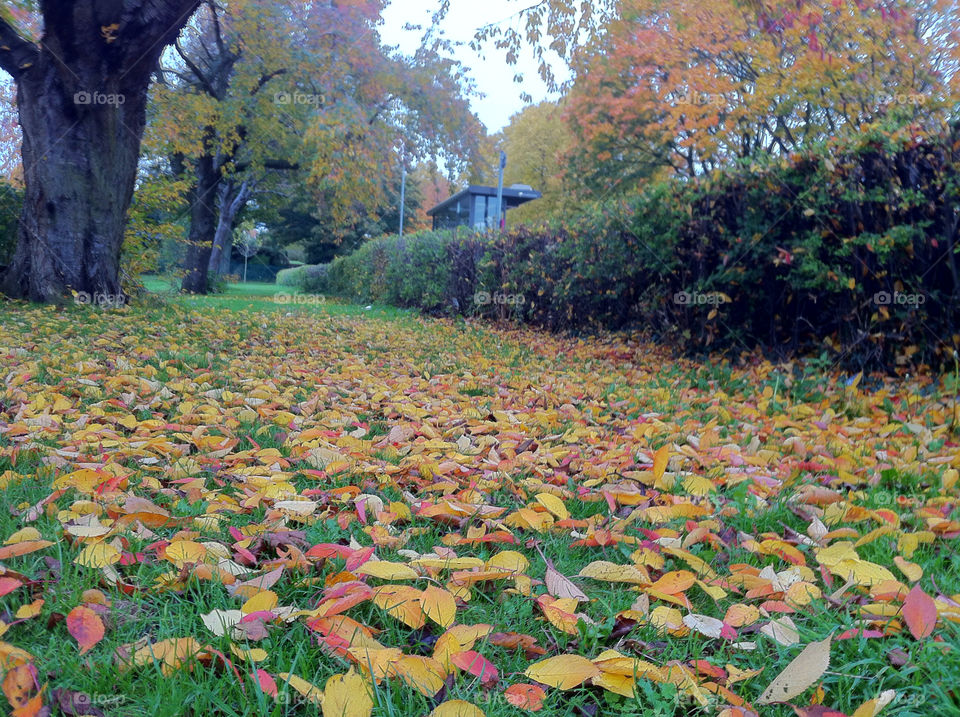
(494, 77)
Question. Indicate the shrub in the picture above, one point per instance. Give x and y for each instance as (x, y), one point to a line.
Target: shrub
(11, 202)
(291, 277)
(850, 248)
(314, 280)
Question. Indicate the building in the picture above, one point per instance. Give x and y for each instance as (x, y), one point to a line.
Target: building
(476, 207)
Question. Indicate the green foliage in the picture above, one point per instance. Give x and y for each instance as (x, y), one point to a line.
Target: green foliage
(311, 278)
(292, 277)
(11, 201)
(848, 249)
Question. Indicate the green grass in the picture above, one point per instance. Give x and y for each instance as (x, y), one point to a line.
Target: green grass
(378, 367)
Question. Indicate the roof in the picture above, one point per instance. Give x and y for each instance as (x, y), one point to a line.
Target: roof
(512, 196)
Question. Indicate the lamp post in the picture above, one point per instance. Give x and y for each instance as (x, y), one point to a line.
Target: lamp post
(501, 222)
(403, 192)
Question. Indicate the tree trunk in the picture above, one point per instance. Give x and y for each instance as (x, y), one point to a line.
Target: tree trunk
(203, 224)
(80, 163)
(230, 205)
(81, 98)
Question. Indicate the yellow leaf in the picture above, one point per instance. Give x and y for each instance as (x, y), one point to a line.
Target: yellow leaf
(456, 708)
(401, 602)
(439, 605)
(181, 552)
(553, 504)
(912, 571)
(263, 600)
(509, 560)
(98, 555)
(171, 654)
(387, 571)
(424, 674)
(23, 535)
(253, 654)
(698, 485)
(25, 612)
(563, 671)
(347, 696)
(613, 573)
(311, 693)
(949, 479)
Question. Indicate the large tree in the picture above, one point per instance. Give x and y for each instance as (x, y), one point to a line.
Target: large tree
(257, 87)
(81, 97)
(694, 86)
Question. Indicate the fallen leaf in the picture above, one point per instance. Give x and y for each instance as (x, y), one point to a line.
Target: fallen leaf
(563, 671)
(86, 627)
(802, 673)
(347, 696)
(920, 613)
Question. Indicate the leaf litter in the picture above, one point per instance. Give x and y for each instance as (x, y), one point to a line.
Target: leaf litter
(542, 519)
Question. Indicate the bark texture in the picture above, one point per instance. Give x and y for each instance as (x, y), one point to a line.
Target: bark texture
(82, 97)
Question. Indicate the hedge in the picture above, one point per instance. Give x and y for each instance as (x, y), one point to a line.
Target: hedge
(306, 278)
(849, 249)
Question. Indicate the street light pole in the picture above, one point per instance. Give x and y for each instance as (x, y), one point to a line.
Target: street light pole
(501, 221)
(403, 193)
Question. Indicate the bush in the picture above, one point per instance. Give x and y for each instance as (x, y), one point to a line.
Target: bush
(310, 278)
(849, 248)
(314, 279)
(11, 202)
(291, 277)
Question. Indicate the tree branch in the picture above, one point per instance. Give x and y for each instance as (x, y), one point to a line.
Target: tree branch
(197, 72)
(16, 54)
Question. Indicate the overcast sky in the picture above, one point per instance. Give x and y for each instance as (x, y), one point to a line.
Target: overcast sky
(493, 75)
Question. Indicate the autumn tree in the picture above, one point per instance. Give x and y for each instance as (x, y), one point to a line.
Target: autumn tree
(217, 118)
(82, 77)
(535, 141)
(256, 88)
(693, 86)
(11, 168)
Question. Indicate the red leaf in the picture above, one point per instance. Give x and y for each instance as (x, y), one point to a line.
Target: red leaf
(920, 613)
(476, 664)
(8, 585)
(267, 684)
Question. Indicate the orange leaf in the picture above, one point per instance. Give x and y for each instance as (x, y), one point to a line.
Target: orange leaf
(525, 696)
(24, 548)
(85, 626)
(660, 460)
(920, 613)
(19, 683)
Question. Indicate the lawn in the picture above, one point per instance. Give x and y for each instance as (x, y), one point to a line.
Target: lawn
(242, 506)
